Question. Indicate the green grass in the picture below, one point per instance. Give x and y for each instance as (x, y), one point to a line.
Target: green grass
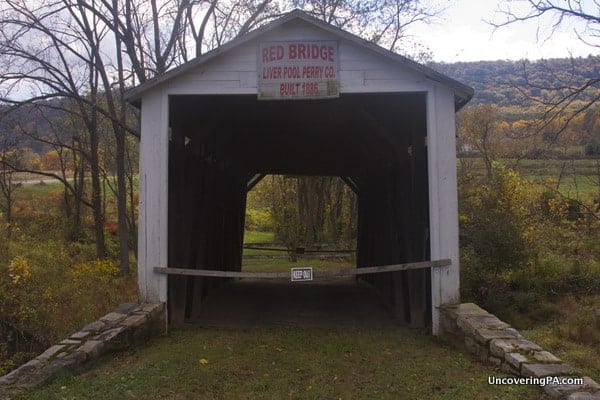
(280, 265)
(287, 363)
(258, 237)
(573, 335)
(284, 264)
(30, 192)
(580, 177)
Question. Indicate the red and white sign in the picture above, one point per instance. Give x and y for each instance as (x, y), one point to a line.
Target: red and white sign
(298, 70)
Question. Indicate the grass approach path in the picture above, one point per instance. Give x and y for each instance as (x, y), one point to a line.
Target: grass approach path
(280, 341)
(288, 363)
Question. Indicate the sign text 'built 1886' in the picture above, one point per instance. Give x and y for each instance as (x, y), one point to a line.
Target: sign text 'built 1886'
(298, 70)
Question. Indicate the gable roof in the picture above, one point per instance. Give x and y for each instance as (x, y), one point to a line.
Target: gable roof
(462, 92)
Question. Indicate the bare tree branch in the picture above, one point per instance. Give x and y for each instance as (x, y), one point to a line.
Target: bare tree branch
(563, 101)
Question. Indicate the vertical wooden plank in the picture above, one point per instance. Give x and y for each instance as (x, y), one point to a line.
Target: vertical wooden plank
(201, 201)
(400, 306)
(178, 226)
(403, 196)
(153, 203)
(443, 202)
(391, 251)
(418, 221)
(401, 213)
(242, 222)
(417, 297)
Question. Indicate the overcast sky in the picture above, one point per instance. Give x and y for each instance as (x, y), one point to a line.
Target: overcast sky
(463, 35)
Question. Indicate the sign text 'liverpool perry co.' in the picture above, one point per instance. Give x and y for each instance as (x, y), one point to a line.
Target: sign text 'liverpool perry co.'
(298, 70)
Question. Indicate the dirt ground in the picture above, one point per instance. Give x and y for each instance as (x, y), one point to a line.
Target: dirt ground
(336, 302)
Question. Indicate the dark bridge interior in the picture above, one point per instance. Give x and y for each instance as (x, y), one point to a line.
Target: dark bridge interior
(376, 142)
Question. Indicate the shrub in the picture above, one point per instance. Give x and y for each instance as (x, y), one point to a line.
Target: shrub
(592, 148)
(259, 220)
(522, 251)
(494, 223)
(47, 298)
(558, 208)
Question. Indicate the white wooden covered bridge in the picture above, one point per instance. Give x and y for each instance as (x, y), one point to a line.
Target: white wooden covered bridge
(299, 96)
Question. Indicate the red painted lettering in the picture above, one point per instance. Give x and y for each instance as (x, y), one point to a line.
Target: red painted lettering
(271, 73)
(289, 89)
(329, 72)
(272, 53)
(314, 51)
(291, 72)
(302, 51)
(299, 51)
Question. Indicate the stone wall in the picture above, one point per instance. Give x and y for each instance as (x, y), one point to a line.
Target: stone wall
(496, 343)
(130, 324)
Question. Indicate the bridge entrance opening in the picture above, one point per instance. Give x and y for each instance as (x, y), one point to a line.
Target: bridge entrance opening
(220, 145)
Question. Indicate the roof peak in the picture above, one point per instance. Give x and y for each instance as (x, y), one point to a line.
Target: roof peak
(463, 93)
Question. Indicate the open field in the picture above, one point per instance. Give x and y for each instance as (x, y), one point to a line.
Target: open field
(578, 178)
(287, 363)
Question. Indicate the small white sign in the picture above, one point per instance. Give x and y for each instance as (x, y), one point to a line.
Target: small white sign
(298, 70)
(302, 274)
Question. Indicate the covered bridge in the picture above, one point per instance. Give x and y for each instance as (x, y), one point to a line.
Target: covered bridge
(299, 96)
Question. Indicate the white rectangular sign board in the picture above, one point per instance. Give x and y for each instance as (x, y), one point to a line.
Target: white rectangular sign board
(302, 274)
(298, 70)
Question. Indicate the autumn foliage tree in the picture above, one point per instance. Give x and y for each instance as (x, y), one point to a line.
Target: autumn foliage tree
(309, 210)
(479, 131)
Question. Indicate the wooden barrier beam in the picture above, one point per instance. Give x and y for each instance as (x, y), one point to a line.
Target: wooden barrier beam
(297, 251)
(316, 274)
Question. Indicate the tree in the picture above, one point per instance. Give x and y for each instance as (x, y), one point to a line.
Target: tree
(568, 97)
(478, 130)
(382, 22)
(70, 64)
(9, 156)
(71, 149)
(90, 52)
(311, 209)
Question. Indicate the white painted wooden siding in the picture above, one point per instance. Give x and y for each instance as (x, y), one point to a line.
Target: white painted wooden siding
(153, 208)
(443, 199)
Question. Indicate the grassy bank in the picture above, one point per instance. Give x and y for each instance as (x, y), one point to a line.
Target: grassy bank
(573, 334)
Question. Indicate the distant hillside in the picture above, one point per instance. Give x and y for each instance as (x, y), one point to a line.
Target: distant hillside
(36, 119)
(497, 81)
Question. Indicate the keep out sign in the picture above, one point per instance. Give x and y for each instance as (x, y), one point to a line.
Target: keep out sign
(298, 70)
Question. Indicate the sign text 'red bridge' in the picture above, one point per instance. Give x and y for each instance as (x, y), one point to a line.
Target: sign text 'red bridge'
(298, 70)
